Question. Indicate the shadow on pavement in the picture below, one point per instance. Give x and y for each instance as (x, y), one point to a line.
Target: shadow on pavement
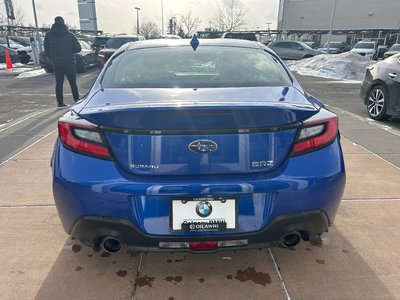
(80, 272)
(329, 268)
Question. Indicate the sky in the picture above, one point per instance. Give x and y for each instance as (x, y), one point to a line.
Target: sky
(119, 16)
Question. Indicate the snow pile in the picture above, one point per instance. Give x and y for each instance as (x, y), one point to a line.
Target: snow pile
(348, 65)
(21, 71)
(32, 73)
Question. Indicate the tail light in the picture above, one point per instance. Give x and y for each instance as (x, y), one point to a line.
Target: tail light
(83, 137)
(318, 131)
(102, 59)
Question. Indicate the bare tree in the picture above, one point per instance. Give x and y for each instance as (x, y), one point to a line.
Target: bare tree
(150, 30)
(189, 23)
(231, 16)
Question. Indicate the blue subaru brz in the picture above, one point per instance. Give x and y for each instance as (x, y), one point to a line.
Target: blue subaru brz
(197, 146)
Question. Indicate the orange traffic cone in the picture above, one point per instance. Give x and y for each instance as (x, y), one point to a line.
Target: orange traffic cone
(8, 61)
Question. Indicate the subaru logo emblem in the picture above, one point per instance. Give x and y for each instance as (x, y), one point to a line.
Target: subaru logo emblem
(203, 209)
(203, 146)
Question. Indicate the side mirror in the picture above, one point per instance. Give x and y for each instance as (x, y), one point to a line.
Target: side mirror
(300, 48)
(102, 46)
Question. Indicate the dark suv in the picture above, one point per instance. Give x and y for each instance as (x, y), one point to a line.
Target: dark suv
(113, 44)
(240, 35)
(99, 41)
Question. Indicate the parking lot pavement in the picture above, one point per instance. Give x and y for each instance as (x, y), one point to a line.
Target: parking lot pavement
(357, 259)
(224, 275)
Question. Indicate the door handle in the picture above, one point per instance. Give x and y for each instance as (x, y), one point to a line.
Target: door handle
(392, 75)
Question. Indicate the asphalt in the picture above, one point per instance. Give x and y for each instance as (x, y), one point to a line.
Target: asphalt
(357, 259)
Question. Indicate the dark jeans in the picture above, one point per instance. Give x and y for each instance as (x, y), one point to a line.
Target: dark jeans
(70, 72)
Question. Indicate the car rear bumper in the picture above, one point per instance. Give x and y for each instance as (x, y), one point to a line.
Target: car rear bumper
(91, 230)
(91, 193)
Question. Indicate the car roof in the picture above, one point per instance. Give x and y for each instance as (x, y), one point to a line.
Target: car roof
(186, 42)
(124, 36)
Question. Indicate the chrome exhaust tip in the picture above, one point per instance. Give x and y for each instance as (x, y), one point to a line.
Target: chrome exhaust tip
(291, 239)
(111, 244)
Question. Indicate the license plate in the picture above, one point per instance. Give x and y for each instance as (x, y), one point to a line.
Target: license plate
(204, 214)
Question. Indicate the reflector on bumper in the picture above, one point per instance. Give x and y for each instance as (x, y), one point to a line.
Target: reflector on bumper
(202, 245)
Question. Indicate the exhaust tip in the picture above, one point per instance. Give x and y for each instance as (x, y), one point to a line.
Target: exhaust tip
(111, 244)
(291, 239)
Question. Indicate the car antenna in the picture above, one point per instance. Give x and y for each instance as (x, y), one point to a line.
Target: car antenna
(194, 42)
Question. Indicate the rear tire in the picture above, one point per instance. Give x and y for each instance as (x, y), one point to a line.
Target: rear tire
(82, 66)
(377, 101)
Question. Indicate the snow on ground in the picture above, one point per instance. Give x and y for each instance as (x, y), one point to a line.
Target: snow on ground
(15, 65)
(32, 73)
(345, 66)
(21, 71)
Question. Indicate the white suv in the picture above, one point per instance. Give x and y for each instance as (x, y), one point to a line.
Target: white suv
(365, 48)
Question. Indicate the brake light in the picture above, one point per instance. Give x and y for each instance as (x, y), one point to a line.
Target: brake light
(203, 246)
(85, 139)
(316, 133)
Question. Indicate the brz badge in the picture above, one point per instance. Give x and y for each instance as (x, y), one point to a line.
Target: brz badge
(262, 164)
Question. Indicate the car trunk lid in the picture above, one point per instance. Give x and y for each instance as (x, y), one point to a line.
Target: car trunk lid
(237, 130)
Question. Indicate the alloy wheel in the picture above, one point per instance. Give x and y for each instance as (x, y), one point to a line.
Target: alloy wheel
(376, 102)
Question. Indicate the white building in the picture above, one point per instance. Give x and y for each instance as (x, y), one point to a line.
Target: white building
(354, 20)
(349, 14)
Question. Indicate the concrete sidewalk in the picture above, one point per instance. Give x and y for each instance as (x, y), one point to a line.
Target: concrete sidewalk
(357, 259)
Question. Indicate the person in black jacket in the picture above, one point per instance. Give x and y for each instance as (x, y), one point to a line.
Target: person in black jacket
(60, 46)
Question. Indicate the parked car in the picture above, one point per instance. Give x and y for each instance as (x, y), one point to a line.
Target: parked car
(169, 36)
(215, 149)
(292, 49)
(394, 49)
(365, 48)
(22, 40)
(21, 45)
(113, 44)
(239, 35)
(25, 49)
(380, 52)
(313, 45)
(84, 60)
(13, 54)
(13, 45)
(335, 47)
(99, 41)
(380, 90)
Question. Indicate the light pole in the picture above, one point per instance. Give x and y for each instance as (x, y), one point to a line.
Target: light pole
(162, 17)
(36, 36)
(331, 25)
(137, 19)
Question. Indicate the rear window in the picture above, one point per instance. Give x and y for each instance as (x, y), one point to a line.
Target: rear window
(333, 45)
(242, 36)
(100, 40)
(395, 47)
(364, 46)
(115, 43)
(208, 66)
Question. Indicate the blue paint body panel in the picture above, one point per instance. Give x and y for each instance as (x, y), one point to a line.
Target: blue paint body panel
(170, 154)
